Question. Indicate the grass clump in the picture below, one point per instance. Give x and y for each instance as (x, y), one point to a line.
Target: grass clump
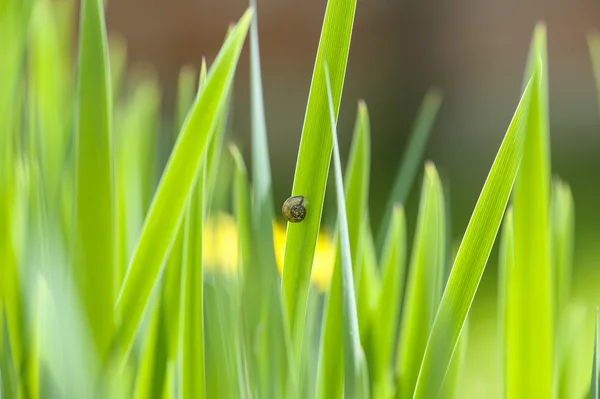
(120, 280)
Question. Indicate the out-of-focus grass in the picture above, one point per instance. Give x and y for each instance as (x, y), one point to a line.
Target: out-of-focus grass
(217, 297)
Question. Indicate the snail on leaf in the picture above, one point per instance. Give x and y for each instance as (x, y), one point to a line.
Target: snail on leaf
(294, 209)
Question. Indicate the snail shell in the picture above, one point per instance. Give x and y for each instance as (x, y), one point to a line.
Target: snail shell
(294, 209)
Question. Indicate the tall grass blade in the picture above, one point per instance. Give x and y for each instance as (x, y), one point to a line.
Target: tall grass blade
(411, 159)
(387, 316)
(312, 166)
(473, 254)
(152, 372)
(95, 244)
(330, 366)
(530, 322)
(192, 311)
(424, 284)
(169, 202)
(506, 265)
(354, 363)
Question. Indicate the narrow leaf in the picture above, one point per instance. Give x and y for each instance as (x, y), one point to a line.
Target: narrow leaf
(169, 202)
(95, 252)
(390, 301)
(312, 166)
(353, 355)
(472, 255)
(424, 284)
(329, 374)
(530, 323)
(411, 158)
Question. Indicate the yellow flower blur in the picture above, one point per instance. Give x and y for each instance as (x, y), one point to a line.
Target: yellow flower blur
(221, 249)
(323, 260)
(220, 246)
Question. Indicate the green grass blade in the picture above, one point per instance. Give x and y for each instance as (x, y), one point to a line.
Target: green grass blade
(95, 246)
(472, 255)
(193, 377)
(530, 348)
(261, 169)
(353, 355)
(506, 264)
(329, 374)
(152, 373)
(136, 128)
(411, 159)
(594, 379)
(563, 237)
(241, 201)
(390, 301)
(456, 369)
(594, 47)
(573, 379)
(117, 50)
(424, 284)
(185, 95)
(312, 166)
(169, 202)
(48, 80)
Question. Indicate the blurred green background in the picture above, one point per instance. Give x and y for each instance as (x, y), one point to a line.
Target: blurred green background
(474, 51)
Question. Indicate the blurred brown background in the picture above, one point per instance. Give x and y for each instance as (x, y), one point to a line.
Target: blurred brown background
(475, 51)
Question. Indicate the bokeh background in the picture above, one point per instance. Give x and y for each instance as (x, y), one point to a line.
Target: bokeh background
(474, 51)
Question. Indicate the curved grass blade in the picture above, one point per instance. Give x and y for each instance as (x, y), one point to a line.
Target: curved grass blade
(424, 284)
(387, 316)
(329, 371)
(169, 202)
(354, 367)
(473, 254)
(313, 159)
(594, 380)
(530, 349)
(95, 244)
(411, 159)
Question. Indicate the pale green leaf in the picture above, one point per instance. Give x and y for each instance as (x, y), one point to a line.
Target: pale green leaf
(354, 362)
(424, 283)
(329, 374)
(411, 158)
(175, 186)
(530, 322)
(473, 254)
(95, 245)
(385, 329)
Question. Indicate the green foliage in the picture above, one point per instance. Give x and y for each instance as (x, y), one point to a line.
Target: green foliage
(201, 310)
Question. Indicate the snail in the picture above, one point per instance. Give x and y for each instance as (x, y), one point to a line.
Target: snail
(294, 209)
